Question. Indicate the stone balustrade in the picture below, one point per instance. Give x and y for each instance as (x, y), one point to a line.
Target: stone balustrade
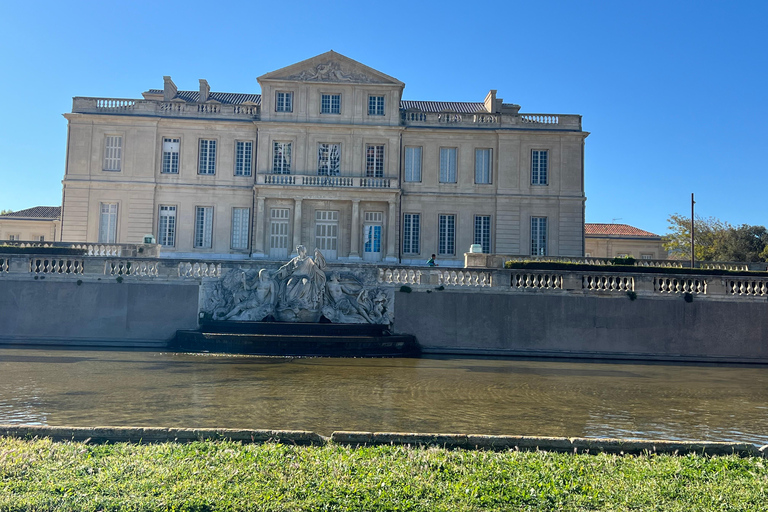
(311, 179)
(492, 120)
(119, 250)
(163, 108)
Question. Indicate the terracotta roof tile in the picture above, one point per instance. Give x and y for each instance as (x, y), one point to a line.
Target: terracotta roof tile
(617, 230)
(37, 212)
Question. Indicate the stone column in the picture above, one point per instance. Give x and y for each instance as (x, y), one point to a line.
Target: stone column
(391, 223)
(296, 226)
(354, 245)
(258, 232)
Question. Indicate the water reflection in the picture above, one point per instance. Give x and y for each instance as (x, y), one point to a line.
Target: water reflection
(418, 395)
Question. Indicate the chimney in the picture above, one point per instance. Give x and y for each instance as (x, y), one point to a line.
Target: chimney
(205, 90)
(169, 89)
(491, 104)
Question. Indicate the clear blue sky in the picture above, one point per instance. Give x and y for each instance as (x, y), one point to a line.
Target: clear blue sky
(673, 93)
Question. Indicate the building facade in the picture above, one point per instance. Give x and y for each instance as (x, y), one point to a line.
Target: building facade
(37, 224)
(329, 155)
(621, 241)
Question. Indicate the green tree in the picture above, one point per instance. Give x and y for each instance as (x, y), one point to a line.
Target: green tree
(715, 240)
(3, 212)
(708, 230)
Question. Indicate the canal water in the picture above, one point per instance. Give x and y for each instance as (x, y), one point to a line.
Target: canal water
(447, 395)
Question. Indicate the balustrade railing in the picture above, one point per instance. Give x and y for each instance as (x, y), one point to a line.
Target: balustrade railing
(491, 120)
(163, 108)
(752, 287)
(197, 269)
(464, 278)
(399, 275)
(313, 180)
(537, 281)
(539, 119)
(56, 266)
(611, 283)
(141, 268)
(680, 285)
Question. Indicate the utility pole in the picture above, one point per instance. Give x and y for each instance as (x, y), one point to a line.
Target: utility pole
(693, 247)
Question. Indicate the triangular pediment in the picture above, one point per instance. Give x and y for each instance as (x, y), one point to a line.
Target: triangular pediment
(331, 67)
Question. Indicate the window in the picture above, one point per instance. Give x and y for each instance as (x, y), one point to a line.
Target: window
(330, 104)
(643, 255)
(539, 166)
(240, 227)
(278, 232)
(204, 227)
(374, 161)
(207, 158)
(166, 227)
(171, 156)
(13, 238)
(328, 159)
(447, 234)
(448, 165)
(107, 223)
(482, 166)
(483, 232)
(243, 152)
(41, 238)
(411, 233)
(327, 232)
(413, 163)
(113, 152)
(281, 158)
(375, 105)
(284, 102)
(538, 236)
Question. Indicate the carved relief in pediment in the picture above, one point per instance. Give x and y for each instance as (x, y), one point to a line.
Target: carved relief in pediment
(332, 71)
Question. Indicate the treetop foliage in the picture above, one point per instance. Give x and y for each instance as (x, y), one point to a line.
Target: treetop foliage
(715, 240)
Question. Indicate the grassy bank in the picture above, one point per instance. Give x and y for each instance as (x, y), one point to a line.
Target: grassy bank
(44, 475)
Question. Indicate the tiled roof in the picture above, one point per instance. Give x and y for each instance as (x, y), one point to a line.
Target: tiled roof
(37, 212)
(227, 98)
(616, 229)
(462, 107)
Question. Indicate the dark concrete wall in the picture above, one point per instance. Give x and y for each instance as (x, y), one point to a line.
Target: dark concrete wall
(49, 310)
(539, 324)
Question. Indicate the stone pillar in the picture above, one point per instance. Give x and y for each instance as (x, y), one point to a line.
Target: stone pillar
(258, 229)
(296, 226)
(391, 224)
(354, 245)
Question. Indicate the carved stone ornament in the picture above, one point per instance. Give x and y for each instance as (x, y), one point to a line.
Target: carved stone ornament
(331, 72)
(302, 290)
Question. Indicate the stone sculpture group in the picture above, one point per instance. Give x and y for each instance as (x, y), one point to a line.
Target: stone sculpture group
(299, 291)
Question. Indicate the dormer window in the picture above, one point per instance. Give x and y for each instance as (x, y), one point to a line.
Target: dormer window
(375, 105)
(284, 102)
(330, 104)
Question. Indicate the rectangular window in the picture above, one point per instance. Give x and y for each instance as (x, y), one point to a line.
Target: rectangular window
(113, 152)
(41, 238)
(643, 256)
(482, 166)
(14, 238)
(328, 159)
(107, 223)
(447, 234)
(374, 161)
(204, 227)
(539, 159)
(330, 104)
(243, 157)
(538, 236)
(171, 156)
(278, 232)
(166, 227)
(207, 158)
(411, 229)
(240, 227)
(281, 158)
(327, 232)
(284, 102)
(448, 165)
(413, 163)
(375, 105)
(483, 232)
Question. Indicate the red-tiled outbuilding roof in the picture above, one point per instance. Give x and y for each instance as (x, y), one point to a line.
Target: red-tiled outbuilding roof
(36, 212)
(616, 230)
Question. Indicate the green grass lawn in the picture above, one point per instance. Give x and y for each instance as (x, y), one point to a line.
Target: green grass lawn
(44, 475)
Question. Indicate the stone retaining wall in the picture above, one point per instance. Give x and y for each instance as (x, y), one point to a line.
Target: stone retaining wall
(452, 441)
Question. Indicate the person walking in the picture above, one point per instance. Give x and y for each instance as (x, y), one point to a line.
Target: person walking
(431, 261)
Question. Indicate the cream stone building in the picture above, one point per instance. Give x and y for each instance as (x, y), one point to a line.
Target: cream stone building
(622, 240)
(328, 155)
(38, 224)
